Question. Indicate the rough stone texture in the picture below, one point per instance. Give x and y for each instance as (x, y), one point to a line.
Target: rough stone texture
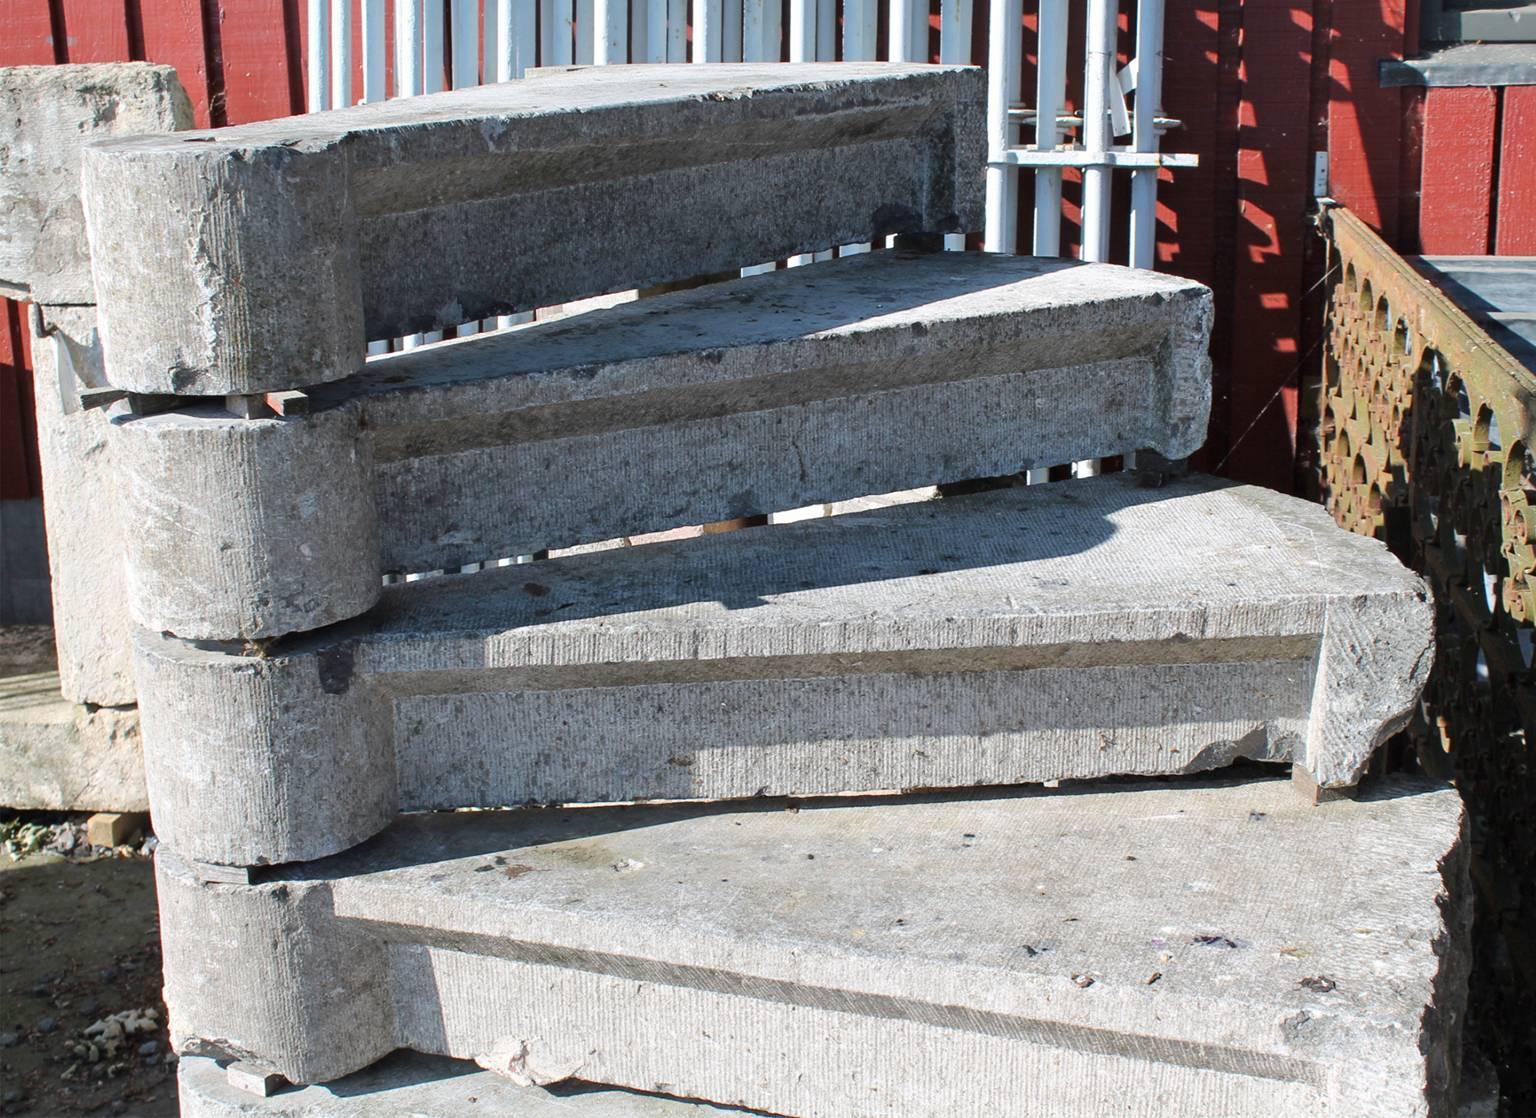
(409, 1085)
(1070, 630)
(247, 527)
(82, 511)
(740, 398)
(1189, 947)
(260, 257)
(59, 756)
(47, 115)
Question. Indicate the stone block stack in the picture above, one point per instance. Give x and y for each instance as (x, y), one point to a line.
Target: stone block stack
(848, 906)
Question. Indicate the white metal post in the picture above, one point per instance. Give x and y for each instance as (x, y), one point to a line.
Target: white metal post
(859, 25)
(466, 43)
(1098, 72)
(432, 46)
(341, 53)
(317, 70)
(902, 47)
(706, 30)
(1004, 48)
(611, 31)
(656, 31)
(1050, 95)
(955, 31)
(1149, 95)
(754, 44)
(407, 48)
(802, 30)
(561, 31)
(586, 34)
(730, 31)
(677, 30)
(373, 50)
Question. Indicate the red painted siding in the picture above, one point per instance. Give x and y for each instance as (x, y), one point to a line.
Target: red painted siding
(1516, 214)
(1456, 187)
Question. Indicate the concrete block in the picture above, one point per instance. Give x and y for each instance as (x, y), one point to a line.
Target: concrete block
(735, 399)
(260, 257)
(81, 509)
(1072, 630)
(410, 1085)
(61, 756)
(1201, 946)
(47, 116)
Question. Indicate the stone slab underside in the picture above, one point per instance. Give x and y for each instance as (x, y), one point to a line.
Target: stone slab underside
(1194, 946)
(409, 1085)
(296, 239)
(1071, 630)
(762, 394)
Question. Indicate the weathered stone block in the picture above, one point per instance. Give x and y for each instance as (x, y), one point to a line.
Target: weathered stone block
(1205, 947)
(746, 397)
(47, 115)
(61, 756)
(260, 257)
(410, 1085)
(86, 542)
(1070, 630)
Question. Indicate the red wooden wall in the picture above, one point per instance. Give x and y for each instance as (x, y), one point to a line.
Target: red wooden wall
(1259, 84)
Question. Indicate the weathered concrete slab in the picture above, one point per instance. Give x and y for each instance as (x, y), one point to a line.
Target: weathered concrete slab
(1070, 630)
(740, 398)
(60, 756)
(1189, 947)
(47, 115)
(409, 1085)
(81, 509)
(260, 257)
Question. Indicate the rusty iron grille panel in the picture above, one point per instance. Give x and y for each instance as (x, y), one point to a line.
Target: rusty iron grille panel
(1425, 433)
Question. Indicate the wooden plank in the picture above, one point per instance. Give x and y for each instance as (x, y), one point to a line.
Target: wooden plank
(1515, 217)
(174, 33)
(261, 55)
(26, 34)
(95, 30)
(1365, 121)
(1273, 184)
(1456, 184)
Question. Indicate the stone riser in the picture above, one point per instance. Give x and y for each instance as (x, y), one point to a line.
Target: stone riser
(1189, 947)
(1024, 634)
(748, 397)
(310, 234)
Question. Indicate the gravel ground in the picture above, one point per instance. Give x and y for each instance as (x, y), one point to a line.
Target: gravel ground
(82, 1028)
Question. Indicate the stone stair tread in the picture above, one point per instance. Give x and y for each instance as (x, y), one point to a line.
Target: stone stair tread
(750, 396)
(410, 1085)
(1070, 630)
(1215, 940)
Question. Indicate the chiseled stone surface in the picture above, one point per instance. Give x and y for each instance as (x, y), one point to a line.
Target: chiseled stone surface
(410, 1085)
(762, 394)
(1071, 630)
(260, 257)
(61, 756)
(1190, 946)
(47, 115)
(81, 510)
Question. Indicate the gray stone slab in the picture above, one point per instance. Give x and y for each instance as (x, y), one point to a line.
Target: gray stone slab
(1076, 629)
(82, 512)
(1469, 64)
(260, 257)
(753, 396)
(410, 1085)
(61, 756)
(1193, 946)
(47, 115)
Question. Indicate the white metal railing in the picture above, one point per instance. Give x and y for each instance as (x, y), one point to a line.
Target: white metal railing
(439, 44)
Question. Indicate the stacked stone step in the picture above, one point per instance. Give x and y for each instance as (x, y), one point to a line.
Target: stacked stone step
(893, 954)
